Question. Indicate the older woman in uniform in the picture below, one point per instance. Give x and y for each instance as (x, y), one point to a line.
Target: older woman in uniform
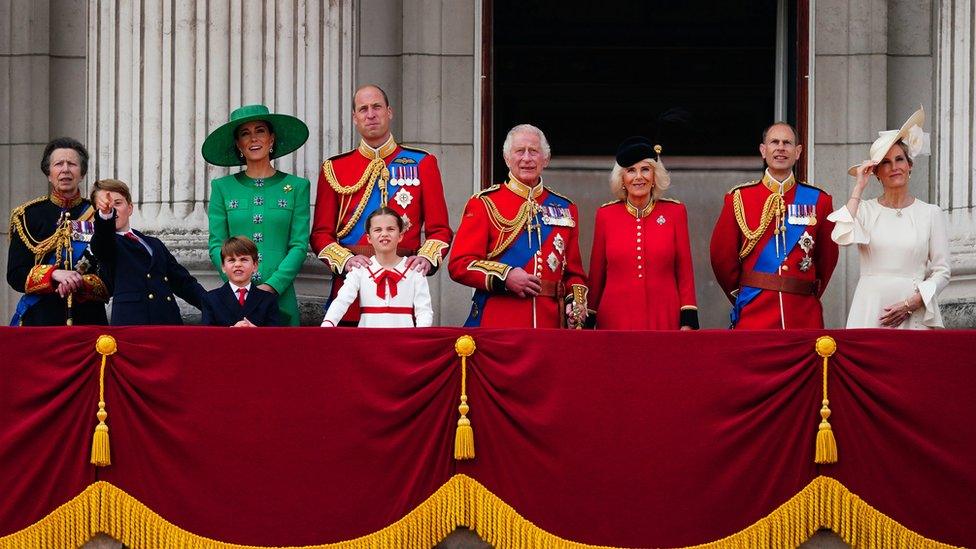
(901, 241)
(260, 202)
(641, 275)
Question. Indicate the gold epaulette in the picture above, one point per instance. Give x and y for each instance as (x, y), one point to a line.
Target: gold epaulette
(491, 189)
(564, 197)
(611, 203)
(418, 149)
(742, 186)
(19, 210)
(675, 200)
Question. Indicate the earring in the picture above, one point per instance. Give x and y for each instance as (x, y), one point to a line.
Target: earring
(270, 150)
(240, 153)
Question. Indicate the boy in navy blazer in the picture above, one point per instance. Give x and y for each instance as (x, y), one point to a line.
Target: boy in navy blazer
(141, 275)
(240, 303)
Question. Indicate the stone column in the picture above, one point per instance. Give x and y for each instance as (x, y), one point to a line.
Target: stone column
(955, 187)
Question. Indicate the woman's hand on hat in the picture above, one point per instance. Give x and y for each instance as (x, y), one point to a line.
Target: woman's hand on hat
(864, 172)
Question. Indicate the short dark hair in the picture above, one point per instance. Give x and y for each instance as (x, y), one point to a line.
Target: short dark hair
(237, 246)
(386, 98)
(64, 143)
(796, 135)
(111, 185)
(383, 210)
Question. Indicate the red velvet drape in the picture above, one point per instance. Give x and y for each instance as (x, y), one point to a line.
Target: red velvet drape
(303, 436)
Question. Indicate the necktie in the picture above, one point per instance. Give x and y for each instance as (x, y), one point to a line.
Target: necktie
(241, 294)
(132, 236)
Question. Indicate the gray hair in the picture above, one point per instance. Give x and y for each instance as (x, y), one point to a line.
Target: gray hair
(527, 128)
(662, 180)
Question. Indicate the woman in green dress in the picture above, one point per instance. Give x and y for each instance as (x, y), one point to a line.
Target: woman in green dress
(268, 206)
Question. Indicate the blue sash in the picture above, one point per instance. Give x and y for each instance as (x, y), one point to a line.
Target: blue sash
(359, 229)
(768, 261)
(29, 300)
(517, 255)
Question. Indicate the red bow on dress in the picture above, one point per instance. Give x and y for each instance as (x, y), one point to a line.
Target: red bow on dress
(387, 279)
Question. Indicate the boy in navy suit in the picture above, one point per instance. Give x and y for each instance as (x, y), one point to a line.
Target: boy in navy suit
(239, 303)
(142, 276)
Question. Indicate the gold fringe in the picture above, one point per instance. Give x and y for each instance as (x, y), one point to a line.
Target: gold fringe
(826, 447)
(464, 436)
(463, 501)
(101, 453)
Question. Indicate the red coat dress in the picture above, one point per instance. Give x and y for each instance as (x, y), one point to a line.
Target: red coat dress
(353, 184)
(500, 230)
(641, 277)
(800, 276)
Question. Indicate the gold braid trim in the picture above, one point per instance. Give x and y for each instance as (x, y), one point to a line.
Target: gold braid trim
(336, 256)
(36, 247)
(376, 168)
(773, 207)
(463, 501)
(432, 251)
(508, 229)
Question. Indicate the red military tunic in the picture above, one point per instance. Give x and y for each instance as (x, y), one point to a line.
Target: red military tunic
(356, 181)
(801, 276)
(641, 277)
(506, 221)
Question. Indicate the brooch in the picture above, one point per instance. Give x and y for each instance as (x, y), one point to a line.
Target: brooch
(661, 220)
(287, 188)
(259, 201)
(403, 198)
(232, 204)
(282, 203)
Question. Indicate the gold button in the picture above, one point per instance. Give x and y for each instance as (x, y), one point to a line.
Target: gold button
(151, 296)
(640, 266)
(786, 267)
(169, 298)
(638, 257)
(638, 248)
(640, 276)
(165, 279)
(148, 275)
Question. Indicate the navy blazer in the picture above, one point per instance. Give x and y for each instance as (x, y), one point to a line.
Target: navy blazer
(222, 308)
(143, 287)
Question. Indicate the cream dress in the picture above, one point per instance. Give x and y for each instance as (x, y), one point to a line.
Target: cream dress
(899, 255)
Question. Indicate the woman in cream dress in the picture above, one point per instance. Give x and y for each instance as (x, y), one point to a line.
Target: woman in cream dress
(902, 242)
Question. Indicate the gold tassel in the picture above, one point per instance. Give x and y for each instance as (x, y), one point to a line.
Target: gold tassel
(101, 453)
(464, 436)
(826, 450)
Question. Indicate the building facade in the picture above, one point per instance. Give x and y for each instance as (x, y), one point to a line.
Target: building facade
(142, 83)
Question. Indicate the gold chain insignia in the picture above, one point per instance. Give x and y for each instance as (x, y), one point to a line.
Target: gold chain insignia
(376, 168)
(508, 229)
(773, 207)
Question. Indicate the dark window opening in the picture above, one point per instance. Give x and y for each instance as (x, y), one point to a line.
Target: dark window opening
(697, 77)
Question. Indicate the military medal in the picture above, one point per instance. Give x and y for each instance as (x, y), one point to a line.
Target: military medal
(806, 244)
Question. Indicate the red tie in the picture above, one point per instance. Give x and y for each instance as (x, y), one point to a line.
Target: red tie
(132, 236)
(241, 294)
(387, 279)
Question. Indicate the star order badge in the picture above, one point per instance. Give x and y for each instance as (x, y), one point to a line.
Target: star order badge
(403, 198)
(806, 244)
(559, 243)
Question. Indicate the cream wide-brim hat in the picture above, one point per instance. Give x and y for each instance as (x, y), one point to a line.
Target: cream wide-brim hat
(917, 139)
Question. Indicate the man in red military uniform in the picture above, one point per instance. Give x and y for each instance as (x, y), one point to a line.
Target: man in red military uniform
(518, 246)
(378, 173)
(771, 249)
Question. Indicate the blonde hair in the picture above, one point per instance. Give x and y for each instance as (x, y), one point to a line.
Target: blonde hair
(662, 179)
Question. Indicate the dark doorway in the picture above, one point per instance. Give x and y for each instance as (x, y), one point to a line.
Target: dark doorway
(697, 77)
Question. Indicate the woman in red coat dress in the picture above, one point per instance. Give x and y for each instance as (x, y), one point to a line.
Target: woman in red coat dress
(641, 276)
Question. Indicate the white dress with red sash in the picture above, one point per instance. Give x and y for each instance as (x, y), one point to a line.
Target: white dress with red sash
(389, 298)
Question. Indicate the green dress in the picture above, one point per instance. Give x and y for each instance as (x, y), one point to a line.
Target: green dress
(274, 213)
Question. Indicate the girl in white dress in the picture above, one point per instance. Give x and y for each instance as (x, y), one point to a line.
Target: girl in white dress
(390, 295)
(902, 242)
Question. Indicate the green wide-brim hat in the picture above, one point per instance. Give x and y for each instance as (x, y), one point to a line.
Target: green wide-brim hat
(220, 148)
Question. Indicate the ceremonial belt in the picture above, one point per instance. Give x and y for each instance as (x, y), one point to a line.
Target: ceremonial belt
(387, 310)
(777, 283)
(553, 288)
(368, 251)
